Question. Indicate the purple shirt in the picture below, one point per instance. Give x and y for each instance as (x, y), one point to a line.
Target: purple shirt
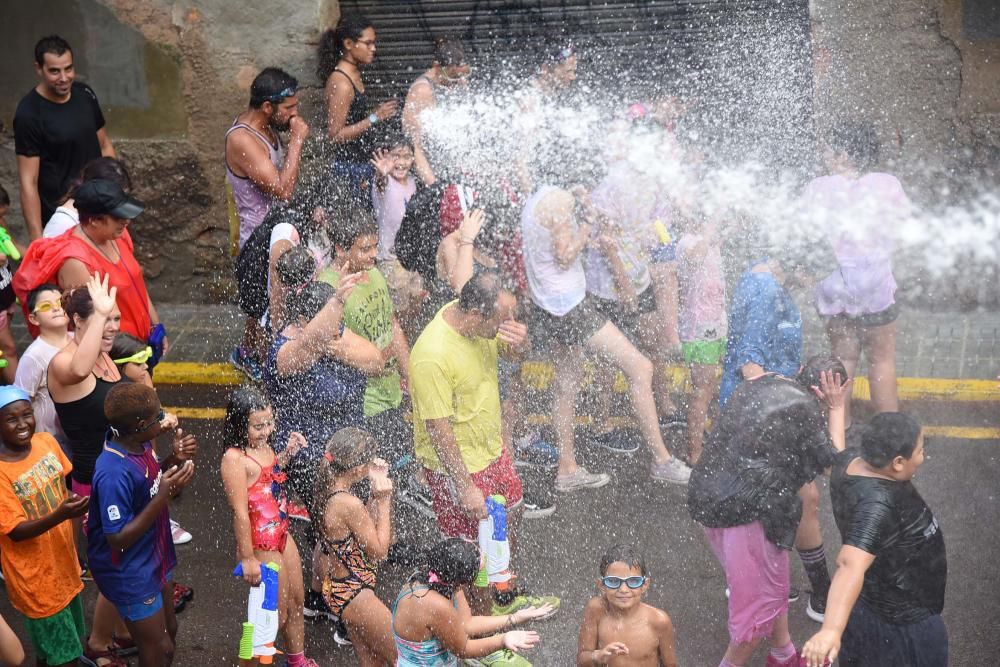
(252, 203)
(860, 216)
(390, 207)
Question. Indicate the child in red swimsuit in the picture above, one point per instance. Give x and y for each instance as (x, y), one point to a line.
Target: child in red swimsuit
(353, 538)
(251, 474)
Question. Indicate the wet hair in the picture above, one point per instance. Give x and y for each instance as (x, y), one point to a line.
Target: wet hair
(295, 267)
(77, 301)
(34, 294)
(809, 375)
(454, 562)
(128, 404)
(348, 448)
(449, 52)
(53, 44)
(243, 401)
(480, 293)
(859, 140)
(354, 221)
(331, 43)
(308, 301)
(269, 85)
(888, 435)
(101, 168)
(4, 197)
(126, 345)
(623, 553)
(397, 140)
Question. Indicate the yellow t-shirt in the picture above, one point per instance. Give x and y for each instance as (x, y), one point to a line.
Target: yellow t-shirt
(43, 573)
(456, 377)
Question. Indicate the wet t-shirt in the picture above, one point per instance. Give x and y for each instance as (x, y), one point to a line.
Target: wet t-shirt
(890, 520)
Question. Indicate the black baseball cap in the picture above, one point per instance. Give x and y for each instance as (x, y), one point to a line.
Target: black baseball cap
(102, 197)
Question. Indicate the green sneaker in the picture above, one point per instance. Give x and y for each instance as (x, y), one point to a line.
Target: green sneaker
(502, 658)
(521, 601)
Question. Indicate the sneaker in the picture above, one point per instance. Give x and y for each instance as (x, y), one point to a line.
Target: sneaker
(502, 658)
(315, 608)
(581, 479)
(246, 364)
(308, 662)
(816, 608)
(340, 637)
(179, 535)
(532, 450)
(617, 442)
(673, 471)
(416, 495)
(522, 600)
(182, 595)
(297, 511)
(538, 508)
(85, 574)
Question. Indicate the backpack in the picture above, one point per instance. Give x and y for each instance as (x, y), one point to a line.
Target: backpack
(253, 261)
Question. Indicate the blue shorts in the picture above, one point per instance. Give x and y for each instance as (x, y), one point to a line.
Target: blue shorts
(142, 609)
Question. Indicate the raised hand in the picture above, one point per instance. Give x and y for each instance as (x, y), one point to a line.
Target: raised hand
(519, 640)
(468, 230)
(832, 391)
(531, 613)
(175, 479)
(103, 298)
(73, 506)
(185, 445)
(387, 109)
(296, 443)
(383, 162)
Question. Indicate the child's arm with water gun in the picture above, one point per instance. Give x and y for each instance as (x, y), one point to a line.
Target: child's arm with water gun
(234, 480)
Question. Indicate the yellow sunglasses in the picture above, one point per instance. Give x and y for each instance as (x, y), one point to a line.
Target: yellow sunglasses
(47, 306)
(140, 357)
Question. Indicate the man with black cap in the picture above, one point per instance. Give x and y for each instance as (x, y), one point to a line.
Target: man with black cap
(58, 128)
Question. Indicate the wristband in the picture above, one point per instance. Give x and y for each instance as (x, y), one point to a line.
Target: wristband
(373, 119)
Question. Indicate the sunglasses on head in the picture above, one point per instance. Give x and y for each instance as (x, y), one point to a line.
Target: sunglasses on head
(140, 357)
(614, 583)
(47, 306)
(280, 97)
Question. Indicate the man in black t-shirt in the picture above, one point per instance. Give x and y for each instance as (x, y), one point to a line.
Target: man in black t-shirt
(58, 128)
(886, 598)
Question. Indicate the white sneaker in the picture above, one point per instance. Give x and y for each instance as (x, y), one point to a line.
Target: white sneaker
(581, 479)
(673, 471)
(179, 535)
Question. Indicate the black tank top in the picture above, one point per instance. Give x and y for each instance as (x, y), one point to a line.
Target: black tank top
(85, 426)
(360, 149)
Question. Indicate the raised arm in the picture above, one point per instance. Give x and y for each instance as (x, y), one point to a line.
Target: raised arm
(247, 155)
(70, 369)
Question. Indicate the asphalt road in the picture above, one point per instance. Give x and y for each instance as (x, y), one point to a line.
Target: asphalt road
(560, 554)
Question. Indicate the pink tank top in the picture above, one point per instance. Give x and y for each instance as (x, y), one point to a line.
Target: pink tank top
(252, 204)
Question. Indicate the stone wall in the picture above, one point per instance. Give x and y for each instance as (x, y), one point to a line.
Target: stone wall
(173, 73)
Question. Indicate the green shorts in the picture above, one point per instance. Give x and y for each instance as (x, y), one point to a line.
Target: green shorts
(704, 352)
(58, 639)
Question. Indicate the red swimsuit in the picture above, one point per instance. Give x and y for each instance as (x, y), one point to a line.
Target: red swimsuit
(267, 504)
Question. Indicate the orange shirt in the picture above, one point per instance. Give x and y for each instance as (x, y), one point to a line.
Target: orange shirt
(43, 573)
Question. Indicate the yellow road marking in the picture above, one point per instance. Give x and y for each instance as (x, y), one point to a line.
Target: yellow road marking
(537, 375)
(963, 432)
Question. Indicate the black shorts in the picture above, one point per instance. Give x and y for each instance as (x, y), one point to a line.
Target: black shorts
(572, 329)
(628, 320)
(879, 319)
(869, 641)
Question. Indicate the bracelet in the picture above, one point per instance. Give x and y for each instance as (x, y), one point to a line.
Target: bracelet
(464, 239)
(593, 658)
(373, 119)
(462, 243)
(510, 622)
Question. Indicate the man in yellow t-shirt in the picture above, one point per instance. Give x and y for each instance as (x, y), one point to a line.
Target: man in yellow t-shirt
(456, 404)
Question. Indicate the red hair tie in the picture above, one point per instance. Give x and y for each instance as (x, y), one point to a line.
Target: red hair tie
(328, 456)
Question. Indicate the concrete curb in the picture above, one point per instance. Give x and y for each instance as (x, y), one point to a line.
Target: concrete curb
(538, 375)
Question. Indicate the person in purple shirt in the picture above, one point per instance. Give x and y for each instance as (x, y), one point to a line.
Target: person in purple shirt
(130, 549)
(859, 210)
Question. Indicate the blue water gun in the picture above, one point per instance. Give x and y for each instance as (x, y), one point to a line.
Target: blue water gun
(261, 628)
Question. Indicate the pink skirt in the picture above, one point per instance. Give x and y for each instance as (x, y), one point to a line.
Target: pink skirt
(758, 578)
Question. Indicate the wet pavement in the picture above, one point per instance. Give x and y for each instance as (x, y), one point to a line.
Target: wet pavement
(559, 554)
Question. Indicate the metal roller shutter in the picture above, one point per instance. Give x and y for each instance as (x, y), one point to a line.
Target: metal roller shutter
(747, 61)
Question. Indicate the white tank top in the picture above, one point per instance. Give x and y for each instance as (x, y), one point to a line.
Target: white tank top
(552, 288)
